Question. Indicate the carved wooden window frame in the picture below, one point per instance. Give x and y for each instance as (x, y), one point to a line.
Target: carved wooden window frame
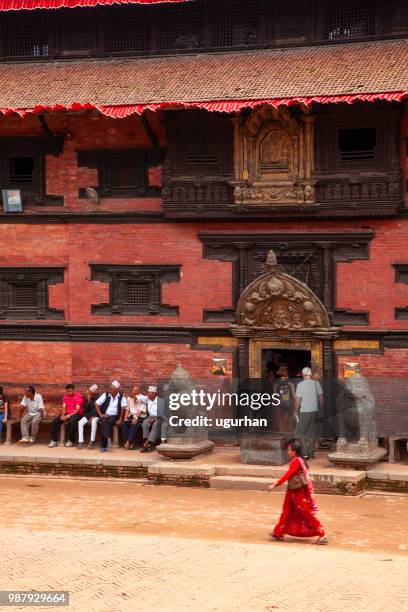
(327, 151)
(37, 278)
(120, 276)
(199, 125)
(245, 249)
(105, 161)
(36, 148)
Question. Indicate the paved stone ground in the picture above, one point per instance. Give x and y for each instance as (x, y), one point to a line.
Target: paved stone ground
(94, 539)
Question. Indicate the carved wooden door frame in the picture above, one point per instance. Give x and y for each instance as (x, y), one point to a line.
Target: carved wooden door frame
(256, 346)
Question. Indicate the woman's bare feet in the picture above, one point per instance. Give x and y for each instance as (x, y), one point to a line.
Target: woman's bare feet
(322, 540)
(275, 537)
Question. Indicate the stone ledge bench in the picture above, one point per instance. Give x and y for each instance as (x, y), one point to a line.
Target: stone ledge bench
(47, 421)
(11, 423)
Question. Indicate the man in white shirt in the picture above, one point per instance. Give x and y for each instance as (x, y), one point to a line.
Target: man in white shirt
(109, 407)
(34, 412)
(155, 418)
(309, 400)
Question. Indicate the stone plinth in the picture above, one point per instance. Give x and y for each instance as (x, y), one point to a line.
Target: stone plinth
(269, 449)
(357, 456)
(174, 449)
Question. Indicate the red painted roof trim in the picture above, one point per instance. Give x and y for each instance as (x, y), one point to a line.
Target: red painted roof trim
(226, 106)
(27, 5)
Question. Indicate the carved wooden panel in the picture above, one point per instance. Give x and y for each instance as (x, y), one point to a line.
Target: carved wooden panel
(274, 158)
(278, 301)
(310, 258)
(135, 289)
(24, 293)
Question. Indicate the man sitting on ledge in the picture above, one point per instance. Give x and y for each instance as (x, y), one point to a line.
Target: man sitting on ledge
(72, 412)
(156, 415)
(109, 407)
(33, 404)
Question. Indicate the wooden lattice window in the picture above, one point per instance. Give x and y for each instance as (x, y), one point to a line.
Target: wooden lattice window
(397, 16)
(200, 144)
(25, 35)
(127, 28)
(25, 296)
(137, 293)
(291, 21)
(122, 172)
(135, 289)
(181, 27)
(77, 32)
(22, 167)
(357, 145)
(24, 293)
(350, 19)
(235, 24)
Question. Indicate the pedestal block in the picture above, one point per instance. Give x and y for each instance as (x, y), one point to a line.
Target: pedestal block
(356, 455)
(269, 449)
(176, 449)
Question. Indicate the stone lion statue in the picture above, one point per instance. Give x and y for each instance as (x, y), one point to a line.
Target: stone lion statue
(356, 410)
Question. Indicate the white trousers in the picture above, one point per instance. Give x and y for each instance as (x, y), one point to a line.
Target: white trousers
(81, 425)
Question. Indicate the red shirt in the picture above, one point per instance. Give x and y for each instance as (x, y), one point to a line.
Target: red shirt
(71, 402)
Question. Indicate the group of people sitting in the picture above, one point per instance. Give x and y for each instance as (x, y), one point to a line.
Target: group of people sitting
(141, 418)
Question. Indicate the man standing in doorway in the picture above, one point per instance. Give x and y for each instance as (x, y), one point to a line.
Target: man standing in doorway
(309, 399)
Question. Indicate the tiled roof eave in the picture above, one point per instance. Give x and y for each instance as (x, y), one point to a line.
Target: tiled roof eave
(222, 81)
(29, 5)
(225, 106)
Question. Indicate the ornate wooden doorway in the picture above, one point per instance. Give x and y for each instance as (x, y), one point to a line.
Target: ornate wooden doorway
(276, 343)
(277, 311)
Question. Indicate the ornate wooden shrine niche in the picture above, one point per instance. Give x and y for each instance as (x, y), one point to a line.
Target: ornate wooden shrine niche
(273, 159)
(278, 301)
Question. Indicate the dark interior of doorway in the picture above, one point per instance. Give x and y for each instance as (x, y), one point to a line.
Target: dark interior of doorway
(294, 359)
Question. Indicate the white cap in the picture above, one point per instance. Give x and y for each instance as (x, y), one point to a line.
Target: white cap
(93, 388)
(152, 389)
(115, 384)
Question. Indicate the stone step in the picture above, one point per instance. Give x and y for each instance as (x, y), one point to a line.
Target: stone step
(243, 483)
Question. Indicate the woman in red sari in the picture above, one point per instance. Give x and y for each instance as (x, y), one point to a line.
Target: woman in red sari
(298, 516)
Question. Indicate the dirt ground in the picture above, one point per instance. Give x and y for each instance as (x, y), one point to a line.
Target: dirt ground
(118, 546)
(374, 522)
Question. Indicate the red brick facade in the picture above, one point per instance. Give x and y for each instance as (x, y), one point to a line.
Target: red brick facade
(204, 284)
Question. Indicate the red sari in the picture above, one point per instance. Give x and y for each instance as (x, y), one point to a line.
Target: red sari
(298, 516)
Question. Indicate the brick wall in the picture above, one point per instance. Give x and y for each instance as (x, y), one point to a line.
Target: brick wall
(50, 366)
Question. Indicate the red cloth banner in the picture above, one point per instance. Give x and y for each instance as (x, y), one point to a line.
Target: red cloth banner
(225, 106)
(26, 5)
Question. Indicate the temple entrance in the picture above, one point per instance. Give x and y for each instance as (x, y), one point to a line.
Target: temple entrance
(294, 360)
(280, 322)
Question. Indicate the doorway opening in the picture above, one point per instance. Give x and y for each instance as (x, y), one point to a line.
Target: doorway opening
(294, 360)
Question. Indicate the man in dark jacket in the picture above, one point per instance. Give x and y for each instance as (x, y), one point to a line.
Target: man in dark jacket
(110, 407)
